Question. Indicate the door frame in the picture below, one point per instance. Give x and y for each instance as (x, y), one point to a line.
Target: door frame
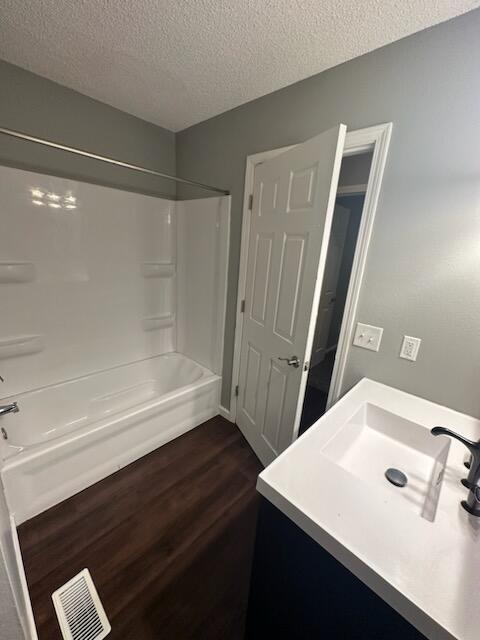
(376, 139)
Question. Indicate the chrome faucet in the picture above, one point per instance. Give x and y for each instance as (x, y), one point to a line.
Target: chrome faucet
(472, 482)
(9, 408)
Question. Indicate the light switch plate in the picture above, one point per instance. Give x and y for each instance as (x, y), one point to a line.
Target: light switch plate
(367, 336)
(410, 347)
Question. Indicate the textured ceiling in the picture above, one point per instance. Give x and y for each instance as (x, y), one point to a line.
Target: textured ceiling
(177, 62)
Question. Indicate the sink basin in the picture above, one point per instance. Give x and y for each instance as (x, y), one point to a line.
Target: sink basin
(374, 440)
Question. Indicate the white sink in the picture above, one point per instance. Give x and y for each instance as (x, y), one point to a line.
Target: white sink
(415, 546)
(374, 440)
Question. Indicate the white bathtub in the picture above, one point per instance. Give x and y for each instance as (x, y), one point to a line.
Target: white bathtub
(69, 435)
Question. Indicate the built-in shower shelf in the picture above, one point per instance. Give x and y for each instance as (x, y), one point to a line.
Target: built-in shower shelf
(162, 321)
(20, 346)
(158, 269)
(16, 272)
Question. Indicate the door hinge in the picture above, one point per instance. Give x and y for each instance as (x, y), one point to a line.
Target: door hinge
(250, 202)
(242, 306)
(236, 390)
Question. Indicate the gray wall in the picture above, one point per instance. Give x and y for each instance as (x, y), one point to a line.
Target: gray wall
(10, 628)
(423, 271)
(34, 105)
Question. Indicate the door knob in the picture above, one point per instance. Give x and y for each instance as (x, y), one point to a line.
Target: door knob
(292, 362)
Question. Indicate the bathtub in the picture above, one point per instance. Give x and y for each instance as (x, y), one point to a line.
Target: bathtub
(69, 435)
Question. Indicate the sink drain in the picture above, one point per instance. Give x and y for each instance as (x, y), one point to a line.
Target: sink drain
(396, 477)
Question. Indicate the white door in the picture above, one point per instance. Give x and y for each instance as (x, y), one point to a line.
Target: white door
(328, 295)
(293, 201)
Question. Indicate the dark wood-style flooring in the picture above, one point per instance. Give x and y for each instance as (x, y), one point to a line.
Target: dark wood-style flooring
(168, 541)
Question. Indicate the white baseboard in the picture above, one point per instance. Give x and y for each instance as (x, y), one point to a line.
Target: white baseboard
(225, 413)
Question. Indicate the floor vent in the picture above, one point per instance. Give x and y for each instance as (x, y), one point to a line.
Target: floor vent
(80, 613)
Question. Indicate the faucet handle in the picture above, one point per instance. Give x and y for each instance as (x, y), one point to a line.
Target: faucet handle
(472, 504)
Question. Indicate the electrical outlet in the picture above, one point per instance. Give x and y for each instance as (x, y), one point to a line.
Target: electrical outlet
(368, 337)
(410, 347)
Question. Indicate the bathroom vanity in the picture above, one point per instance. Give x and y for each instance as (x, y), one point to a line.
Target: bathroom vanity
(343, 552)
(300, 591)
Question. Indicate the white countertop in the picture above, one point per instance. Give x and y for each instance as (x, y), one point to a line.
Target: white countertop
(428, 571)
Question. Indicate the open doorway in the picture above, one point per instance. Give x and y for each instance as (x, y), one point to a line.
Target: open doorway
(349, 203)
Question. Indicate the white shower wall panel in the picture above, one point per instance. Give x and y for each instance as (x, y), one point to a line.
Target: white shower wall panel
(203, 241)
(87, 278)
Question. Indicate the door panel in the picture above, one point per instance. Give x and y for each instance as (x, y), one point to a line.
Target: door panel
(261, 276)
(291, 274)
(302, 189)
(277, 381)
(268, 197)
(250, 395)
(293, 200)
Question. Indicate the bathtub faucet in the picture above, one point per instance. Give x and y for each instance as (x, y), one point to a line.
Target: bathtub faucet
(9, 408)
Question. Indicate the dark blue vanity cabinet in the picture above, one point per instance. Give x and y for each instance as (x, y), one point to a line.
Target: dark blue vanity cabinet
(300, 592)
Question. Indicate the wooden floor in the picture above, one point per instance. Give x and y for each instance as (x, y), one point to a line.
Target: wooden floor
(168, 541)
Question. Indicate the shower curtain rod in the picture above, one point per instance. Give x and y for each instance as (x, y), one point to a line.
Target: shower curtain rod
(119, 163)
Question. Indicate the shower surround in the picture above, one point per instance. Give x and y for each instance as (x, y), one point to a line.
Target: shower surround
(112, 339)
